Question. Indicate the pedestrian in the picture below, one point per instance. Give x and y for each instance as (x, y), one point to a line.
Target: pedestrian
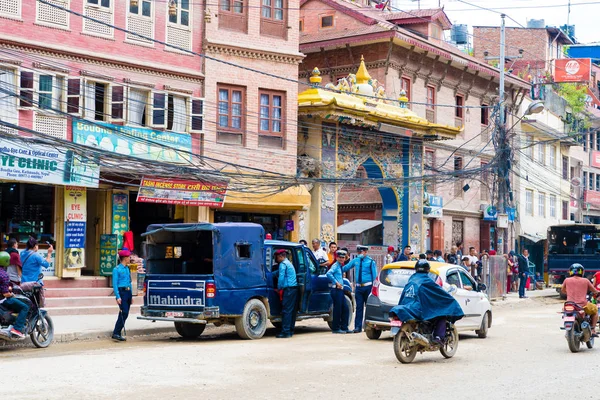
(14, 268)
(331, 255)
(459, 250)
(453, 256)
(32, 262)
(319, 253)
(466, 263)
(523, 271)
(509, 268)
(366, 273)
(406, 254)
(474, 262)
(438, 256)
(389, 257)
(303, 242)
(289, 303)
(121, 277)
(341, 313)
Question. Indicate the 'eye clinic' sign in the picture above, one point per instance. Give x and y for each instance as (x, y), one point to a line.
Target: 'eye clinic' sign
(75, 226)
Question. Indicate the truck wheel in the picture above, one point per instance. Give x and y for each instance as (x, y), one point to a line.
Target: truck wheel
(253, 322)
(189, 331)
(372, 333)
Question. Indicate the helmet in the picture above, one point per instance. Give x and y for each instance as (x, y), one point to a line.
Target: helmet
(4, 259)
(576, 269)
(422, 266)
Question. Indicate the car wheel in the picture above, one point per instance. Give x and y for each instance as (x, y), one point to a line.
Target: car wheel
(253, 322)
(189, 331)
(483, 330)
(348, 301)
(372, 333)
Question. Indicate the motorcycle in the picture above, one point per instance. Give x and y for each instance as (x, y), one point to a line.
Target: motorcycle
(577, 325)
(417, 336)
(38, 324)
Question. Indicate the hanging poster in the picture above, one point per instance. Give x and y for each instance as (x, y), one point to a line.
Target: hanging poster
(108, 254)
(120, 216)
(181, 192)
(75, 226)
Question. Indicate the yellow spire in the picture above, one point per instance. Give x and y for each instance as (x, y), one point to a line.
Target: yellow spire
(362, 75)
(315, 78)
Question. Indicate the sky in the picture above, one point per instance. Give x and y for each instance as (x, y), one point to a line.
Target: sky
(554, 12)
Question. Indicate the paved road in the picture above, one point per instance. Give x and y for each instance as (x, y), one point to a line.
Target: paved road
(524, 357)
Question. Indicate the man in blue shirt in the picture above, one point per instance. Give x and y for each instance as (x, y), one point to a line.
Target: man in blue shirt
(341, 313)
(289, 304)
(122, 287)
(366, 273)
(406, 254)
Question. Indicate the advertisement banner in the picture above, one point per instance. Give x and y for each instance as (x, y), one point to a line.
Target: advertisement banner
(120, 216)
(27, 162)
(185, 193)
(490, 213)
(572, 70)
(144, 143)
(595, 158)
(108, 254)
(592, 198)
(75, 224)
(50, 270)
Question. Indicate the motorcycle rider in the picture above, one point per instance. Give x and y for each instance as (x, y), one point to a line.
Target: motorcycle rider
(576, 287)
(424, 300)
(9, 300)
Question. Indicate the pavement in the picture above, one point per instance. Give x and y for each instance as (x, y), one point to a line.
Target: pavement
(69, 328)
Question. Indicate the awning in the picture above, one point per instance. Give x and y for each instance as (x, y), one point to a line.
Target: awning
(534, 126)
(290, 199)
(533, 238)
(357, 226)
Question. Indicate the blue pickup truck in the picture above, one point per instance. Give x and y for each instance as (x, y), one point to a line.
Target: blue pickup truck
(225, 274)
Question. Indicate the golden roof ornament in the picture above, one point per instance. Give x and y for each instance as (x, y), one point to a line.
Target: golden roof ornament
(362, 75)
(315, 77)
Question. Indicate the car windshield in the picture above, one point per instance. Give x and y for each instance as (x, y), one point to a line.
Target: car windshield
(398, 277)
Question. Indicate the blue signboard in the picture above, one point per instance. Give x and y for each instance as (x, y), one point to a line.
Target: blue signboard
(436, 201)
(511, 213)
(74, 235)
(137, 142)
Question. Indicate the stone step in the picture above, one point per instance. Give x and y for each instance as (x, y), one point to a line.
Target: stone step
(78, 292)
(52, 311)
(83, 282)
(53, 302)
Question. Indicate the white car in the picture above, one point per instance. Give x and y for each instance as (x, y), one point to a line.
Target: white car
(392, 279)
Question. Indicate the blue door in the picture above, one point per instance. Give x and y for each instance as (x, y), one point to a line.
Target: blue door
(272, 293)
(317, 298)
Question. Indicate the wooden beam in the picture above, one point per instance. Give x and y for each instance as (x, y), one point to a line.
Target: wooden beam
(389, 54)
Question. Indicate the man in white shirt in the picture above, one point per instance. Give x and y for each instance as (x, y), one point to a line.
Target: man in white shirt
(319, 253)
(474, 259)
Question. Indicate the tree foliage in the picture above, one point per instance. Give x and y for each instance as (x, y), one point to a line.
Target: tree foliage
(575, 95)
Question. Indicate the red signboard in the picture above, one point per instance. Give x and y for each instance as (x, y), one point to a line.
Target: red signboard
(572, 70)
(592, 198)
(185, 193)
(595, 158)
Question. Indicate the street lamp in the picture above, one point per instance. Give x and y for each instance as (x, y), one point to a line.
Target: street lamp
(534, 108)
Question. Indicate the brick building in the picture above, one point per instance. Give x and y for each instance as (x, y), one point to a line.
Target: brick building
(406, 51)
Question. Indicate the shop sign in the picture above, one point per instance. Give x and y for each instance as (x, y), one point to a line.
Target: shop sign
(490, 213)
(572, 70)
(75, 224)
(595, 158)
(181, 192)
(147, 144)
(120, 216)
(435, 208)
(511, 211)
(592, 198)
(108, 254)
(289, 225)
(27, 162)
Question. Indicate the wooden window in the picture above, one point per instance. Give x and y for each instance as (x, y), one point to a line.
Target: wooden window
(459, 111)
(230, 115)
(117, 109)
(273, 9)
(271, 118)
(301, 25)
(273, 18)
(552, 157)
(565, 210)
(405, 84)
(529, 202)
(233, 15)
(45, 90)
(101, 3)
(197, 115)
(591, 181)
(430, 100)
(565, 168)
(74, 98)
(542, 205)
(552, 201)
(159, 110)
(27, 89)
(541, 147)
(598, 182)
(485, 115)
(141, 8)
(326, 21)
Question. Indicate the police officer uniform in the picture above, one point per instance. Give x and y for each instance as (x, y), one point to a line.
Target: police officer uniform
(122, 287)
(341, 313)
(366, 273)
(289, 304)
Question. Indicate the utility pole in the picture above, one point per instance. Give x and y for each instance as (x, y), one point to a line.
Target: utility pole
(501, 143)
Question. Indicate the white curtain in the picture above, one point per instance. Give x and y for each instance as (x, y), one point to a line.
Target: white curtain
(58, 100)
(179, 114)
(8, 102)
(89, 106)
(136, 104)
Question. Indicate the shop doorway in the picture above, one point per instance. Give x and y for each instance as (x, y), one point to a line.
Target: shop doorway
(143, 214)
(272, 223)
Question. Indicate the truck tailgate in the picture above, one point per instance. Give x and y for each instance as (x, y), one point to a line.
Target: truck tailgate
(175, 292)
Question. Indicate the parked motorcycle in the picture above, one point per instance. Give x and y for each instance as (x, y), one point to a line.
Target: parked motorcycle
(414, 337)
(38, 326)
(577, 325)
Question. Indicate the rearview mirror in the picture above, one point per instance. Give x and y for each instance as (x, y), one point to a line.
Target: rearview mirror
(481, 287)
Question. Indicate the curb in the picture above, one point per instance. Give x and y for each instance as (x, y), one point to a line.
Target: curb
(89, 336)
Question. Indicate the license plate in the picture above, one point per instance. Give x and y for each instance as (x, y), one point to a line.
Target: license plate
(173, 314)
(568, 318)
(396, 322)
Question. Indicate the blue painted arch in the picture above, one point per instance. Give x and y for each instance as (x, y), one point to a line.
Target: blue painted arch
(389, 198)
